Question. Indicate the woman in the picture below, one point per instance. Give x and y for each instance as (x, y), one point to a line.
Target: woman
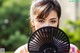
(44, 13)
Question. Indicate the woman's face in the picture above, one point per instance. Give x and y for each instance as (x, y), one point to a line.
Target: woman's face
(51, 20)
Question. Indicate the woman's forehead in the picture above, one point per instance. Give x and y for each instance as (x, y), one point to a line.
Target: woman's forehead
(51, 15)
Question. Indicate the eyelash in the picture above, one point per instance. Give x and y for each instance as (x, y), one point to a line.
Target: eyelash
(42, 21)
(53, 21)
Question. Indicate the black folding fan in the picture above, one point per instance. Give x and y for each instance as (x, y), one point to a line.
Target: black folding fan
(48, 40)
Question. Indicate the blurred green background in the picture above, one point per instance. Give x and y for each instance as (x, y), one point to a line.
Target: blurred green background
(15, 29)
(14, 23)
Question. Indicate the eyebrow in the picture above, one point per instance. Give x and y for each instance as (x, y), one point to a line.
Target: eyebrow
(52, 18)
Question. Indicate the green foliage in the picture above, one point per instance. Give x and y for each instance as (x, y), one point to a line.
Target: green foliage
(73, 31)
(9, 52)
(15, 40)
(14, 23)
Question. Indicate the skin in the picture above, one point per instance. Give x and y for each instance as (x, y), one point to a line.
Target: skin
(51, 20)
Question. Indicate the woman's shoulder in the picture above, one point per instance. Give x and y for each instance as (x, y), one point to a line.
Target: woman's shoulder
(23, 49)
(73, 48)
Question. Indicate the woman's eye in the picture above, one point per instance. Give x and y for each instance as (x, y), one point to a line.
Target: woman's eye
(41, 21)
(53, 21)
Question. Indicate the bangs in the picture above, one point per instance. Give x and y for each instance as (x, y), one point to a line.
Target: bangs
(44, 13)
(42, 9)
